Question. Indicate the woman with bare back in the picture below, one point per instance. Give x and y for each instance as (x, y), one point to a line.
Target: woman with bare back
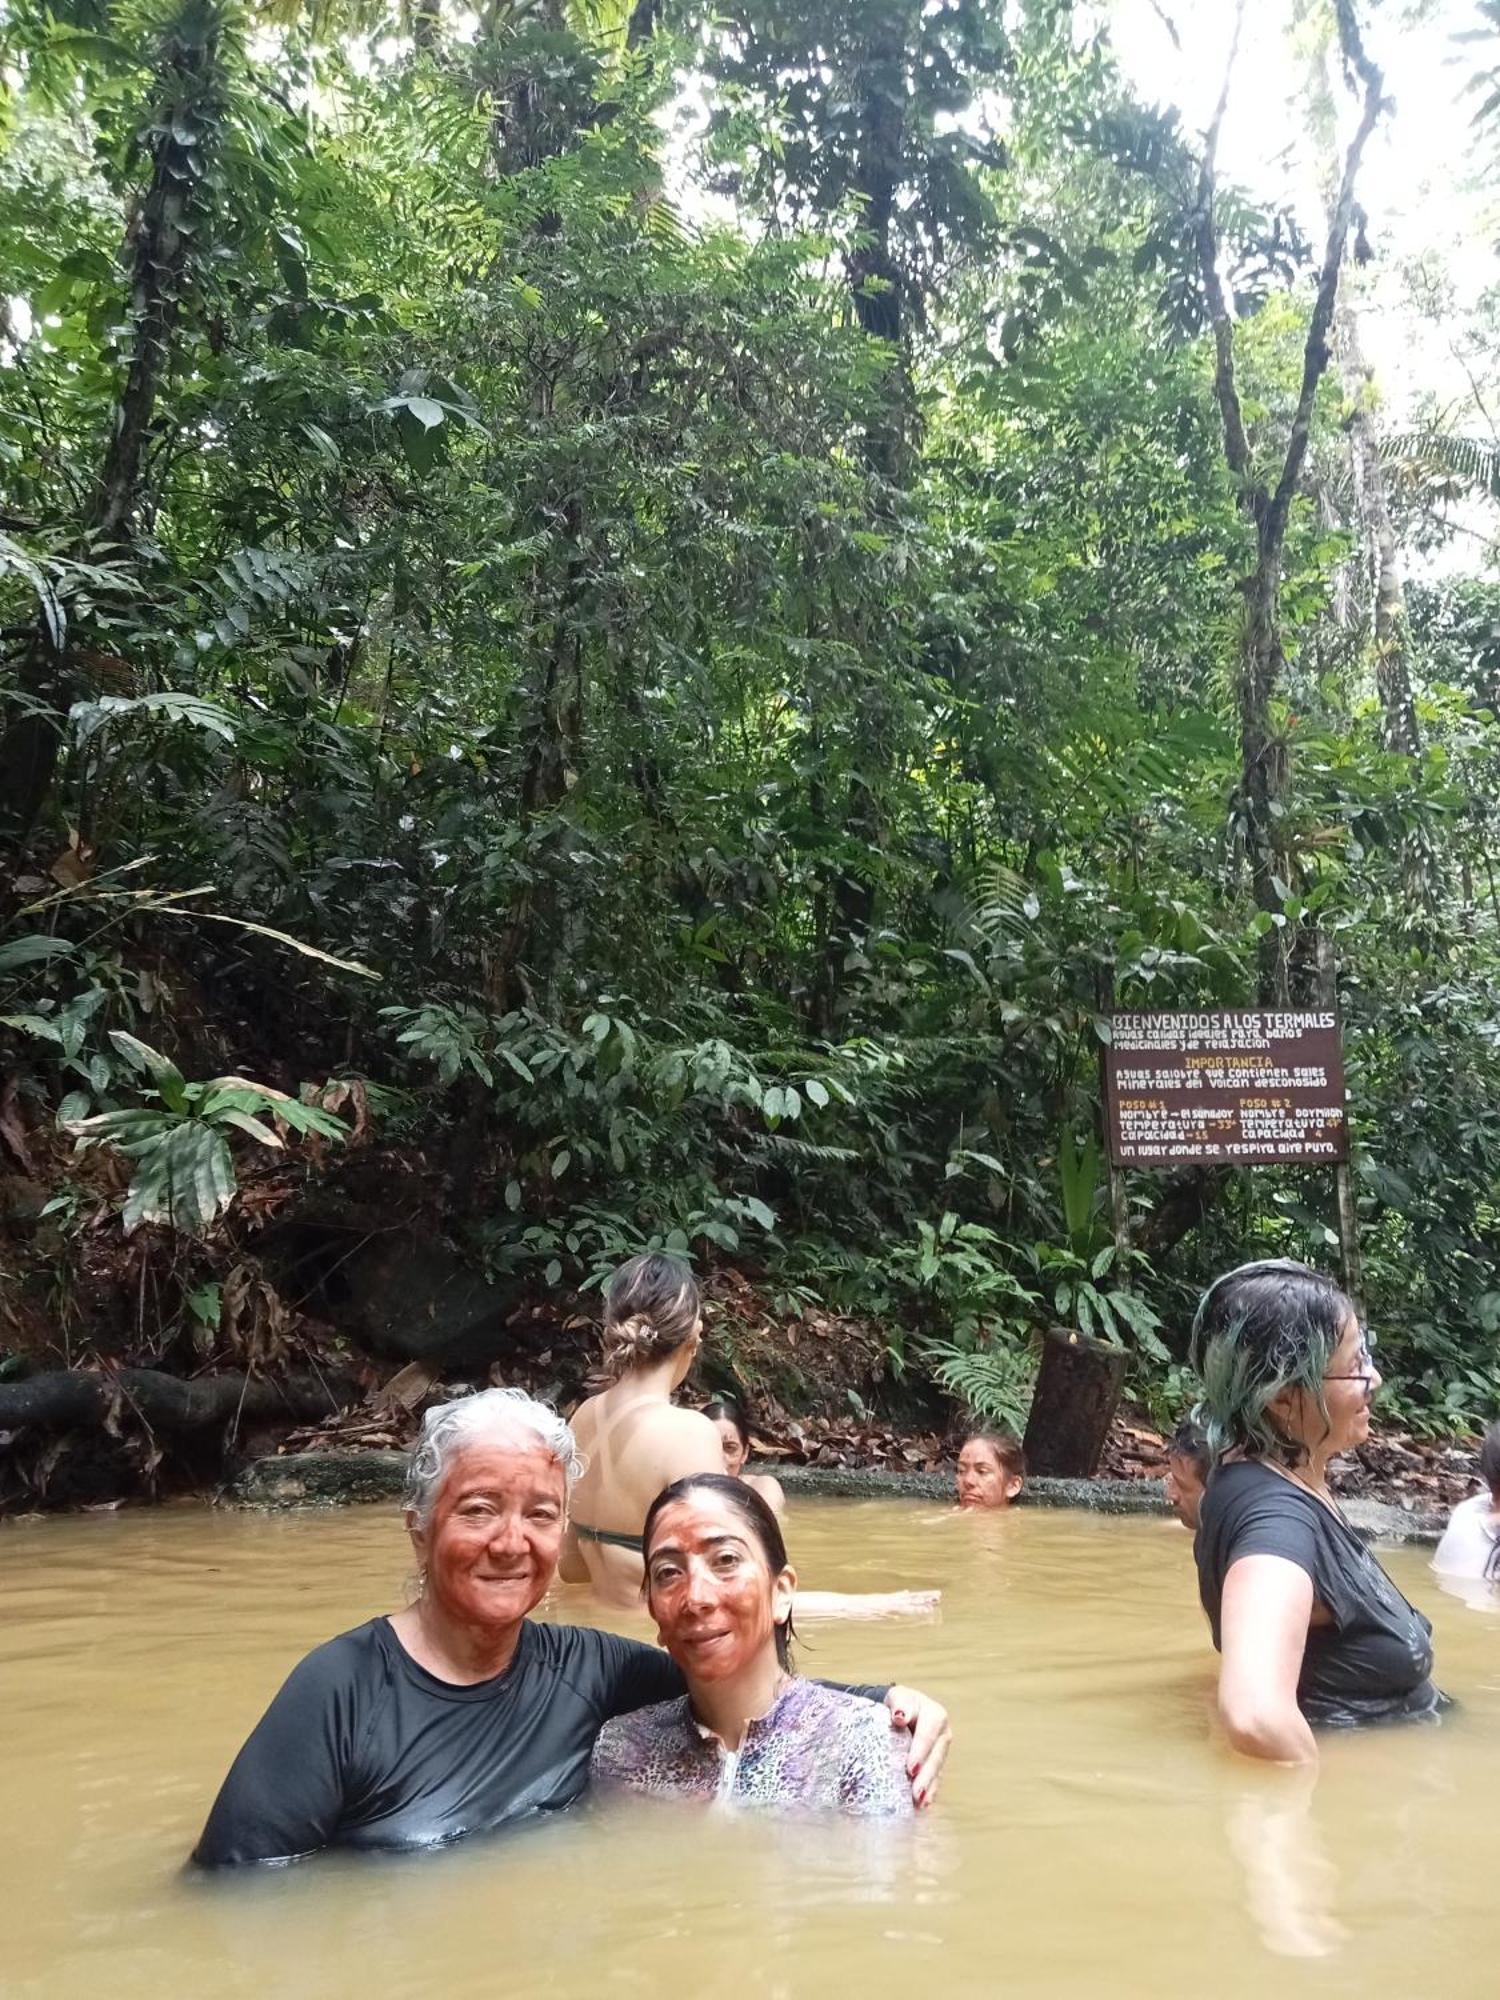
(636, 1442)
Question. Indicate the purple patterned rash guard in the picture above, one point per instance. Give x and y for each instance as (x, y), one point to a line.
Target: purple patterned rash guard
(814, 1750)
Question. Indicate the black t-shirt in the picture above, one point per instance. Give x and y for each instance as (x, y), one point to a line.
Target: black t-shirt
(1373, 1662)
(362, 1747)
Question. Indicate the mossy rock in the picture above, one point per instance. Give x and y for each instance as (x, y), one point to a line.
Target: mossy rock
(319, 1479)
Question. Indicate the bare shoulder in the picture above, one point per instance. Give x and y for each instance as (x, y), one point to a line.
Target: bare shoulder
(585, 1416)
(769, 1489)
(690, 1426)
(682, 1441)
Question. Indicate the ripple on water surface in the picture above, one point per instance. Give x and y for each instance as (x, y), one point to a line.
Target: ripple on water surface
(1090, 1837)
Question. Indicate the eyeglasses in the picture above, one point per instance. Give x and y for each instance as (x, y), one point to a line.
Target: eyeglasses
(1366, 1371)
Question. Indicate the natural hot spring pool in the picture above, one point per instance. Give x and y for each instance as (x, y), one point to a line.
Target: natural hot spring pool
(1089, 1839)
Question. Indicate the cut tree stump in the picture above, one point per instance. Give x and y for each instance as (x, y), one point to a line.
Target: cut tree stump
(1077, 1393)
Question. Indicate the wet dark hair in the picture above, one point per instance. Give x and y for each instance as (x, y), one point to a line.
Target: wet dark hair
(1006, 1448)
(650, 1310)
(1258, 1330)
(1190, 1441)
(727, 1409)
(756, 1516)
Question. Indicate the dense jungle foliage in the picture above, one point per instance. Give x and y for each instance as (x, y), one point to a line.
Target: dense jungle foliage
(624, 624)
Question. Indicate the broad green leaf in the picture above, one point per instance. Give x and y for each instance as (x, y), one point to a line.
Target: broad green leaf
(206, 1304)
(281, 937)
(32, 950)
(242, 1121)
(187, 1180)
(164, 1073)
(41, 1026)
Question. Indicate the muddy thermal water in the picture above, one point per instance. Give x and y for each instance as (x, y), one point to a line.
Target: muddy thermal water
(1091, 1837)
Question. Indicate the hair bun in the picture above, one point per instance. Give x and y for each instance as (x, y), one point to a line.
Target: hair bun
(627, 1344)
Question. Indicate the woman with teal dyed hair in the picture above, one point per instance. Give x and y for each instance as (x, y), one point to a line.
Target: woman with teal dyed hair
(1311, 1630)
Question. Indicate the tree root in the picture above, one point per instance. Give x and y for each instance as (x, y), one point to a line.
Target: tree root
(84, 1397)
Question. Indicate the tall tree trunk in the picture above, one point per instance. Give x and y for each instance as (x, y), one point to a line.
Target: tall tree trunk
(554, 744)
(162, 249)
(878, 293)
(645, 19)
(874, 277)
(1264, 762)
(1392, 670)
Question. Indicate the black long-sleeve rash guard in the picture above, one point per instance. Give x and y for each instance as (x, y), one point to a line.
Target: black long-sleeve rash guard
(364, 1748)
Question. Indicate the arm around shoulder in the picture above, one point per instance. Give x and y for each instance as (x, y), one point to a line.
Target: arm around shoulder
(872, 1769)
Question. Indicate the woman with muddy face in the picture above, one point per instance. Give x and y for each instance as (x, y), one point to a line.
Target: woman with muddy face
(1311, 1630)
(749, 1730)
(991, 1472)
(459, 1712)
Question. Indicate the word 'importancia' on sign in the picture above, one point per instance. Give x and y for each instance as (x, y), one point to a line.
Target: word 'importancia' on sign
(1245, 1087)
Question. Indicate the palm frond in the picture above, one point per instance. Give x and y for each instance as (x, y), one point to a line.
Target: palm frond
(1430, 458)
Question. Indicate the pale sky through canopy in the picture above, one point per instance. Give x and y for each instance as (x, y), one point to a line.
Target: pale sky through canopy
(1418, 183)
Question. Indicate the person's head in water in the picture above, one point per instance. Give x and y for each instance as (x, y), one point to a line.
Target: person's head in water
(718, 1582)
(991, 1470)
(1188, 1467)
(728, 1419)
(1285, 1365)
(651, 1313)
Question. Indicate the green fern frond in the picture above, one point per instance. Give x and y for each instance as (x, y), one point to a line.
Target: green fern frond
(994, 1381)
(781, 1145)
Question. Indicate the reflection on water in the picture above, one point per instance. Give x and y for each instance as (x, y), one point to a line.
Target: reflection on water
(1090, 1837)
(1475, 1591)
(1291, 1885)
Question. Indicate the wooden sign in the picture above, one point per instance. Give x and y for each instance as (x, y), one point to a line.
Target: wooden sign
(1246, 1087)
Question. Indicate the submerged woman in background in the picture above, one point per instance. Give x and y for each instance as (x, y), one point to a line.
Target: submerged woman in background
(728, 1419)
(1310, 1627)
(991, 1471)
(1188, 1466)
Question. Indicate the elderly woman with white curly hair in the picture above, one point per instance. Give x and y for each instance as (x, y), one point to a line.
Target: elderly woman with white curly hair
(460, 1713)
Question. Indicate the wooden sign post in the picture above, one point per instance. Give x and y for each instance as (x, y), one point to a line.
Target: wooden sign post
(1242, 1087)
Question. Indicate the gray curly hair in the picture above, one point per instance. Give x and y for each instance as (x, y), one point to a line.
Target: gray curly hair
(490, 1416)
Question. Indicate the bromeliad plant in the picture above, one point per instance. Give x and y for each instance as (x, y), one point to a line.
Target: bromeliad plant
(183, 1169)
